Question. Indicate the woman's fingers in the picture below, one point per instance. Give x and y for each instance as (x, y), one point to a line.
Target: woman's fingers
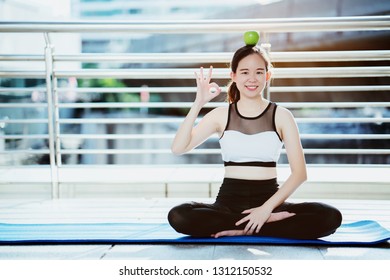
(202, 77)
(246, 218)
(201, 73)
(250, 228)
(233, 232)
(208, 78)
(214, 89)
(196, 76)
(254, 222)
(206, 90)
(199, 76)
(243, 220)
(248, 211)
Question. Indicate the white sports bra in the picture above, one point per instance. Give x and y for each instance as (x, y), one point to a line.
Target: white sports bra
(251, 141)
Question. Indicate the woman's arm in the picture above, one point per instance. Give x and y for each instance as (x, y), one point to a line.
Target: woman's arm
(188, 137)
(292, 143)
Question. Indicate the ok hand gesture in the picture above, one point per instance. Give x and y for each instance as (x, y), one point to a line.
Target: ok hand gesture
(205, 90)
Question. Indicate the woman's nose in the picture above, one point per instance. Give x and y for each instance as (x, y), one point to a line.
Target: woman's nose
(253, 77)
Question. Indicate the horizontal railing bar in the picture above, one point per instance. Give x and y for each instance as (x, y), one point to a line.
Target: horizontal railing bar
(224, 89)
(24, 136)
(179, 120)
(188, 73)
(131, 89)
(120, 120)
(333, 104)
(148, 57)
(345, 136)
(23, 105)
(193, 89)
(219, 73)
(24, 121)
(218, 151)
(36, 74)
(358, 23)
(196, 151)
(31, 151)
(117, 136)
(327, 56)
(216, 57)
(20, 90)
(348, 151)
(331, 72)
(134, 151)
(356, 89)
(215, 104)
(221, 57)
(21, 57)
(171, 136)
(137, 105)
(342, 120)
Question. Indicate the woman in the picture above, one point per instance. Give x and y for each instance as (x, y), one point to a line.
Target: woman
(252, 131)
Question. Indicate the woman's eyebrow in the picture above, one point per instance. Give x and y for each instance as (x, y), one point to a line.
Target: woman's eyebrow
(247, 69)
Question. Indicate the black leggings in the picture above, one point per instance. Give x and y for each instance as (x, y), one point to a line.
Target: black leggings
(312, 219)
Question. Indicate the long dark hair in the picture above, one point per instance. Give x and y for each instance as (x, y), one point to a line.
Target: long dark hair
(233, 94)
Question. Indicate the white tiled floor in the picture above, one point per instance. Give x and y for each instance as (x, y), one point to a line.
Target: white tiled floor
(154, 210)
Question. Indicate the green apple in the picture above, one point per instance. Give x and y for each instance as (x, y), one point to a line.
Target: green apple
(251, 38)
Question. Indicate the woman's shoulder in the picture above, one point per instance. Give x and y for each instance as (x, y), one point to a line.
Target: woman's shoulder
(283, 116)
(282, 111)
(218, 116)
(220, 111)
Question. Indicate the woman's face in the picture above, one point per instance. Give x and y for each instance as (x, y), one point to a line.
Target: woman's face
(251, 76)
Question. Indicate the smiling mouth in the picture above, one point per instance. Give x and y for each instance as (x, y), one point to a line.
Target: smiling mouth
(251, 87)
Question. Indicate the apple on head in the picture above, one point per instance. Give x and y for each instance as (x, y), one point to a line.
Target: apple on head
(251, 38)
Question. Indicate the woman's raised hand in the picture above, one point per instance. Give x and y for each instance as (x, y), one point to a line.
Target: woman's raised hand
(205, 89)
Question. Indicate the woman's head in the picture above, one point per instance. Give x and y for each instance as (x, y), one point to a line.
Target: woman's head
(239, 56)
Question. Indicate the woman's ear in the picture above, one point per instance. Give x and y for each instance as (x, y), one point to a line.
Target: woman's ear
(232, 76)
(268, 76)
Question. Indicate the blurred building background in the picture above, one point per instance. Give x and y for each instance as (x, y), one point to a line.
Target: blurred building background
(134, 10)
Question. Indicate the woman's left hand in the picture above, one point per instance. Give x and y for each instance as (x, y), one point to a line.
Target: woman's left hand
(255, 219)
(253, 213)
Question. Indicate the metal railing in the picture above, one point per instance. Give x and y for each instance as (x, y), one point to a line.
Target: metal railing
(52, 89)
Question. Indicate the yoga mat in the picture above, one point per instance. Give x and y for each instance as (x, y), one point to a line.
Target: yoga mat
(361, 232)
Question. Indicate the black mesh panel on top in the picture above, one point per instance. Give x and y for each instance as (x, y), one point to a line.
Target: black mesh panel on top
(251, 125)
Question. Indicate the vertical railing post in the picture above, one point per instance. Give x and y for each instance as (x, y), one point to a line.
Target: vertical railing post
(50, 116)
(56, 118)
(267, 92)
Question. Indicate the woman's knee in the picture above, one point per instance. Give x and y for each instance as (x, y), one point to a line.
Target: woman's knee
(176, 214)
(329, 216)
(334, 216)
(178, 217)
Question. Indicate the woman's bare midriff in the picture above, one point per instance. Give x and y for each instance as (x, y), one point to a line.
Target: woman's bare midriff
(250, 172)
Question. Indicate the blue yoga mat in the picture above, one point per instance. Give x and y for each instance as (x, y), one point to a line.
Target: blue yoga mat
(361, 232)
